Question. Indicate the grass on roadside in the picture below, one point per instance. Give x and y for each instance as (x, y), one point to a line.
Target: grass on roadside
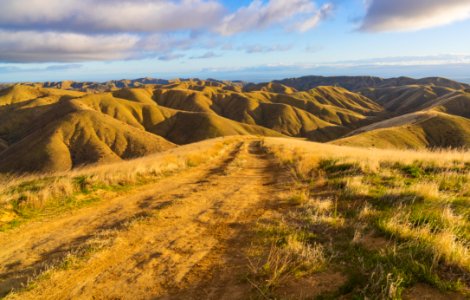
(34, 196)
(391, 221)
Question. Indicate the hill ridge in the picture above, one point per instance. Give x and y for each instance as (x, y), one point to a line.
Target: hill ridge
(149, 115)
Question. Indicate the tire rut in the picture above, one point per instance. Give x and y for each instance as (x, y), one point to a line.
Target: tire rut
(185, 245)
(40, 251)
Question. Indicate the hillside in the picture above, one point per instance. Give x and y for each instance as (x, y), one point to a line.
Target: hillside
(317, 114)
(408, 98)
(414, 131)
(357, 83)
(56, 130)
(78, 137)
(437, 120)
(59, 126)
(178, 189)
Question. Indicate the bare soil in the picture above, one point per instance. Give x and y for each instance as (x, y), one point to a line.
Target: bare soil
(184, 237)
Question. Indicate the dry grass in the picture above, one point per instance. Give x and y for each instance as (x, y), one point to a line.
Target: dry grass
(285, 263)
(290, 256)
(29, 196)
(444, 243)
(418, 199)
(368, 159)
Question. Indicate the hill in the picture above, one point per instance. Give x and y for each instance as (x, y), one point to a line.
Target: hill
(65, 123)
(414, 131)
(59, 130)
(320, 114)
(70, 135)
(407, 98)
(357, 83)
(439, 118)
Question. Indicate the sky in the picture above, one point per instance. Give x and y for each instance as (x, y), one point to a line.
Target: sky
(251, 40)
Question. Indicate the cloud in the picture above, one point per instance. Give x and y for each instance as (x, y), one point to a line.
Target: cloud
(53, 68)
(170, 56)
(36, 31)
(259, 15)
(314, 48)
(34, 46)
(63, 67)
(405, 15)
(314, 20)
(265, 49)
(445, 65)
(206, 55)
(91, 16)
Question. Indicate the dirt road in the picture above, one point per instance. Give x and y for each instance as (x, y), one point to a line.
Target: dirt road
(182, 237)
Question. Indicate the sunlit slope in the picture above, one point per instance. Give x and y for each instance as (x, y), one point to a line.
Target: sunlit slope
(178, 126)
(271, 87)
(457, 103)
(65, 132)
(408, 98)
(20, 105)
(357, 83)
(320, 114)
(188, 127)
(414, 131)
(45, 129)
(439, 118)
(23, 93)
(77, 136)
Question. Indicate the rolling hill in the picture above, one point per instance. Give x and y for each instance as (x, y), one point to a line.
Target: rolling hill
(414, 131)
(63, 125)
(318, 114)
(76, 136)
(60, 130)
(357, 83)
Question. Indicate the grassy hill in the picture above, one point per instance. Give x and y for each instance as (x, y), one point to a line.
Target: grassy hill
(408, 98)
(70, 135)
(357, 83)
(414, 131)
(59, 130)
(149, 115)
(301, 114)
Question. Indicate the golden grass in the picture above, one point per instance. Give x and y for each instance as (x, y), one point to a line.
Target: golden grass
(444, 244)
(421, 199)
(28, 194)
(368, 158)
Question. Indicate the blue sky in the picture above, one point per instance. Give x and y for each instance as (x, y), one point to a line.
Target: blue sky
(253, 40)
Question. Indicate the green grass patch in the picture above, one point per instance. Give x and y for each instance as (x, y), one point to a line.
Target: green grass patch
(333, 167)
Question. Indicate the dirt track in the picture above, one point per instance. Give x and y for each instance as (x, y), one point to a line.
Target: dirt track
(182, 237)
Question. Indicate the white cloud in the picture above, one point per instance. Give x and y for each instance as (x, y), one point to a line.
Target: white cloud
(264, 49)
(314, 20)
(404, 15)
(209, 54)
(171, 56)
(34, 46)
(104, 30)
(110, 15)
(259, 15)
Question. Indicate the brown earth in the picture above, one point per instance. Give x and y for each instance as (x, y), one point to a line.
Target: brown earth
(184, 237)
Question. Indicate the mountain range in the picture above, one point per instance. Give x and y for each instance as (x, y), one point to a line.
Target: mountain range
(57, 126)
